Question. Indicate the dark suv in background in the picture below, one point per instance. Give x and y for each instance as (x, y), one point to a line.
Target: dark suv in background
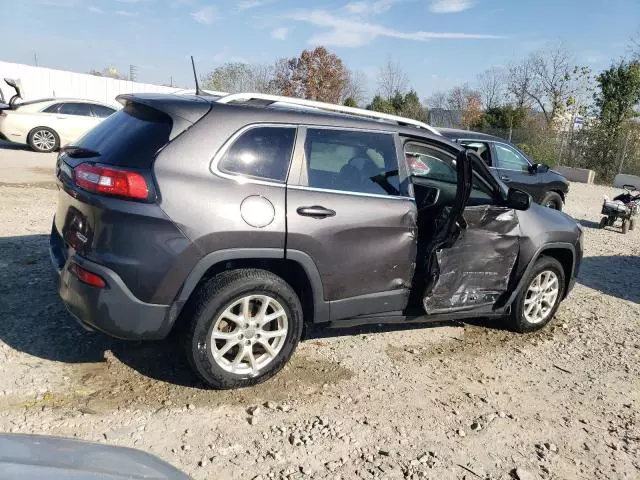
(237, 220)
(514, 168)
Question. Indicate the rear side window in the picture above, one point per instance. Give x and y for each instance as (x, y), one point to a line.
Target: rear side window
(261, 152)
(52, 108)
(101, 111)
(81, 109)
(352, 161)
(130, 137)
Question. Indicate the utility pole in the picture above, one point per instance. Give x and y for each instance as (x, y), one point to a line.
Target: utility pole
(35, 58)
(133, 72)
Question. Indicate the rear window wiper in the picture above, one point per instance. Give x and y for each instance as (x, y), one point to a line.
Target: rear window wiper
(79, 152)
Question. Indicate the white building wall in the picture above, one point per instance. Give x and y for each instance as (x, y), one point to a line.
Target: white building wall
(40, 82)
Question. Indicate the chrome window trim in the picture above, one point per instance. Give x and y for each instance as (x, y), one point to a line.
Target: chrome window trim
(245, 179)
(356, 194)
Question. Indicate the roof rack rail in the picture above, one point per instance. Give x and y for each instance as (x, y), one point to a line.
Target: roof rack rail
(269, 99)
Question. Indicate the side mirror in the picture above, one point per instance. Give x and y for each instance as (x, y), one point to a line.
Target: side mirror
(518, 200)
(539, 168)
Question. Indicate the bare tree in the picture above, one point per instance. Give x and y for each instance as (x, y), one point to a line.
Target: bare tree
(634, 45)
(543, 80)
(355, 87)
(241, 77)
(437, 100)
(466, 102)
(392, 79)
(492, 87)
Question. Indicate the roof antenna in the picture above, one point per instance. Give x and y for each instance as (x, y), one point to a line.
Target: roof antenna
(195, 77)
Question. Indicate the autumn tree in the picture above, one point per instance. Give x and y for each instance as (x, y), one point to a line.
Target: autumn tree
(315, 75)
(109, 72)
(391, 79)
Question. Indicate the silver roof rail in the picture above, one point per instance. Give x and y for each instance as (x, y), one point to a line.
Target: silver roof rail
(269, 99)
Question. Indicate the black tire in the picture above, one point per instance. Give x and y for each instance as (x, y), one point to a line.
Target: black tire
(632, 224)
(36, 143)
(611, 221)
(604, 221)
(625, 227)
(210, 302)
(552, 200)
(518, 318)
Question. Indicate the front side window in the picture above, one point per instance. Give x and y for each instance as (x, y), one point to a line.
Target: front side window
(81, 109)
(509, 158)
(261, 152)
(352, 161)
(439, 168)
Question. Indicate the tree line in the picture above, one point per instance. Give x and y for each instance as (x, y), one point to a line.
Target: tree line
(559, 112)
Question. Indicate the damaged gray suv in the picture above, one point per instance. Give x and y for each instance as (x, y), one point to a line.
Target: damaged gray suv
(235, 221)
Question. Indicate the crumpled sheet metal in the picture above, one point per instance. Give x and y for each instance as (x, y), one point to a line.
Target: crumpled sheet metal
(475, 271)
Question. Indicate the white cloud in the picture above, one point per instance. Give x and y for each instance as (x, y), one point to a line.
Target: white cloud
(206, 15)
(94, 9)
(355, 32)
(450, 6)
(280, 33)
(247, 4)
(365, 8)
(126, 13)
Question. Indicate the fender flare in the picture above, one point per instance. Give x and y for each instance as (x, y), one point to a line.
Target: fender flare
(321, 307)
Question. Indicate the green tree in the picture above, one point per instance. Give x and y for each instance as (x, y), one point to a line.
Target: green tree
(350, 102)
(405, 105)
(504, 117)
(619, 93)
(379, 104)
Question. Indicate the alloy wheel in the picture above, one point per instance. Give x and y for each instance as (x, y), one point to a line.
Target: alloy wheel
(541, 297)
(248, 335)
(44, 140)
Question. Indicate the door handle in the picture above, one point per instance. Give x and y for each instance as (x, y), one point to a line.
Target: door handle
(504, 178)
(315, 211)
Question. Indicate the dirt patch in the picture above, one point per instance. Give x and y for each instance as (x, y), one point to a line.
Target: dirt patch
(101, 388)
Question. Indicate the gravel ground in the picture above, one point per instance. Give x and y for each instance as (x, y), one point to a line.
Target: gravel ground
(451, 401)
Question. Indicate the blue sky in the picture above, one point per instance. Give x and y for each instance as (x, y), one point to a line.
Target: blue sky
(439, 43)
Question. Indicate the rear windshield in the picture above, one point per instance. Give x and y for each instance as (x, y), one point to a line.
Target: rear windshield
(130, 137)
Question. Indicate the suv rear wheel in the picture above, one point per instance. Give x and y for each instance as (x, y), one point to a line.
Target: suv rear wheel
(244, 327)
(540, 297)
(552, 200)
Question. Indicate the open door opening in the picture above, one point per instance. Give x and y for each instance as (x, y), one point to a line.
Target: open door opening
(467, 238)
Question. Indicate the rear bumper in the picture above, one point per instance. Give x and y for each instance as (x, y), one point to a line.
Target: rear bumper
(113, 310)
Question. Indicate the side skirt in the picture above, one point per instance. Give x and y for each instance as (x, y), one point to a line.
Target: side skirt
(400, 318)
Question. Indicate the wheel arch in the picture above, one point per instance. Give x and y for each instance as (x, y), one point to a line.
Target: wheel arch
(565, 253)
(297, 269)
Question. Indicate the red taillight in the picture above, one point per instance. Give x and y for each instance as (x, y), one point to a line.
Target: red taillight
(108, 181)
(86, 276)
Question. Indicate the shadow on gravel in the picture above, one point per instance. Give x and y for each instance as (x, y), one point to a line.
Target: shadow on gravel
(613, 275)
(589, 223)
(4, 145)
(34, 321)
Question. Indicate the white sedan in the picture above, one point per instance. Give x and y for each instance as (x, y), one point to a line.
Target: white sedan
(47, 124)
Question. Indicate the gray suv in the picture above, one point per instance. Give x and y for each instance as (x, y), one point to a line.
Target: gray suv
(236, 221)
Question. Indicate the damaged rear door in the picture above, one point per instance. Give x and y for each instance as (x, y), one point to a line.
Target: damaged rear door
(473, 243)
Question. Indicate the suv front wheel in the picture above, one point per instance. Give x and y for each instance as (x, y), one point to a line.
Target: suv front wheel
(540, 296)
(552, 200)
(244, 327)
